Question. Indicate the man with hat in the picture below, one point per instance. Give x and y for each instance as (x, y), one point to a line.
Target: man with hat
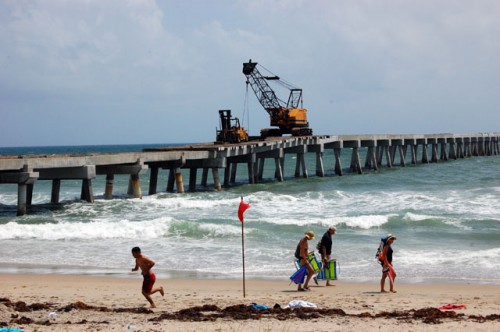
(303, 253)
(325, 248)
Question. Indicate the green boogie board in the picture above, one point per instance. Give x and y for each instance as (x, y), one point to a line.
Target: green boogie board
(329, 272)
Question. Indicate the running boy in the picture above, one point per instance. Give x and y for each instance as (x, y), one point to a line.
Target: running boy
(146, 265)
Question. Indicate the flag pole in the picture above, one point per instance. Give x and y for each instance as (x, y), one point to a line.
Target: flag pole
(241, 210)
(243, 255)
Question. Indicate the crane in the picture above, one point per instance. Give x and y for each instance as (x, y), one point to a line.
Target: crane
(289, 117)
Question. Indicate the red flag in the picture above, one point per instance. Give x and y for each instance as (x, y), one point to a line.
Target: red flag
(241, 210)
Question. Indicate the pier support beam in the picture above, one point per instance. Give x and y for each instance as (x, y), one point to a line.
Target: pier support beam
(87, 193)
(153, 180)
(192, 179)
(443, 155)
(474, 147)
(215, 175)
(355, 165)
(133, 170)
(278, 174)
(204, 177)
(355, 162)
(56, 187)
(383, 146)
(487, 146)
(480, 146)
(260, 172)
(178, 181)
(460, 148)
(108, 192)
(85, 173)
(29, 194)
(397, 146)
(434, 149)
(467, 147)
(278, 156)
(205, 164)
(452, 151)
(300, 163)
(319, 149)
(170, 181)
(411, 143)
(338, 166)
(134, 186)
(371, 158)
(22, 199)
(423, 142)
(227, 174)
(24, 180)
(234, 168)
(252, 179)
(250, 159)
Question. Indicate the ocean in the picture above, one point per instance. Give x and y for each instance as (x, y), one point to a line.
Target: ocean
(446, 217)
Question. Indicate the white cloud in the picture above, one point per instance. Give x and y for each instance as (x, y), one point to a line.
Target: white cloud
(365, 66)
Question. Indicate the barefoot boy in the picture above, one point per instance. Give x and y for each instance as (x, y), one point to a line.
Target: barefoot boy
(146, 265)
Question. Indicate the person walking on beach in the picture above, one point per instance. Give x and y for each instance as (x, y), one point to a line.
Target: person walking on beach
(325, 248)
(303, 248)
(146, 264)
(387, 268)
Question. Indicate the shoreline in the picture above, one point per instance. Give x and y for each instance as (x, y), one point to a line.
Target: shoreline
(111, 303)
(25, 270)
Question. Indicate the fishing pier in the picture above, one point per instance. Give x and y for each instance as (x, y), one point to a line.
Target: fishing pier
(377, 151)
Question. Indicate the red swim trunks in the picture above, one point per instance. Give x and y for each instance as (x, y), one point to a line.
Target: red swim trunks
(149, 281)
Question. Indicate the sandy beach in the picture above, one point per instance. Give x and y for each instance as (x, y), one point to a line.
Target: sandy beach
(116, 304)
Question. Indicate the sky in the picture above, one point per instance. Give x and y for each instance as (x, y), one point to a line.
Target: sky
(92, 72)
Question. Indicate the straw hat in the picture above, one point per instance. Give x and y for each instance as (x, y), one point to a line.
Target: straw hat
(333, 229)
(390, 236)
(310, 235)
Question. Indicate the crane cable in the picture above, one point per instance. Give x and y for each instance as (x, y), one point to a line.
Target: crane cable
(280, 81)
(246, 109)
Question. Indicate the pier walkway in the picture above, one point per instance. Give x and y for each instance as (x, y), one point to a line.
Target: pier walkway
(380, 150)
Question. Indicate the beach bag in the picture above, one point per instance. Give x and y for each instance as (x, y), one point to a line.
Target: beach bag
(297, 251)
(329, 270)
(379, 255)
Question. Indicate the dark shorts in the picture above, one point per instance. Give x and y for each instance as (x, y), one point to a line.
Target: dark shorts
(149, 281)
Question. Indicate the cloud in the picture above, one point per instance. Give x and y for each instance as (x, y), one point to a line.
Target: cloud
(162, 69)
(87, 47)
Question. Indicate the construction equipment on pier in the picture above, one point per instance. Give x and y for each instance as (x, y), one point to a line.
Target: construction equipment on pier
(289, 117)
(230, 130)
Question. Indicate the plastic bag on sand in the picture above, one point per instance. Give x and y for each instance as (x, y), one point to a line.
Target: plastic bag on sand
(300, 304)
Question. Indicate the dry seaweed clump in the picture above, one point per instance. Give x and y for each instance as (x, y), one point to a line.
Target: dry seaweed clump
(210, 312)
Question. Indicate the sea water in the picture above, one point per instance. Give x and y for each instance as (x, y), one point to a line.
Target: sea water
(446, 217)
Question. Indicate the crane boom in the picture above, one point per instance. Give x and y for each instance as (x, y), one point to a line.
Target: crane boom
(258, 82)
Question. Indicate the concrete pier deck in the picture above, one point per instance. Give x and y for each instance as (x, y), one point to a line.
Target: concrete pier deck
(381, 150)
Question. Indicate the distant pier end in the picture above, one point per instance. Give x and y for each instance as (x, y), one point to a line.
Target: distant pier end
(380, 150)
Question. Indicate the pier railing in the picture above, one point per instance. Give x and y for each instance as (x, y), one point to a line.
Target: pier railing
(381, 150)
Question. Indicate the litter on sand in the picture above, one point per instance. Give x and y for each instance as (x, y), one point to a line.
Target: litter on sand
(300, 304)
(452, 306)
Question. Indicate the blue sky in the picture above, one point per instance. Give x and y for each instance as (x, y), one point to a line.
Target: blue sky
(134, 72)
